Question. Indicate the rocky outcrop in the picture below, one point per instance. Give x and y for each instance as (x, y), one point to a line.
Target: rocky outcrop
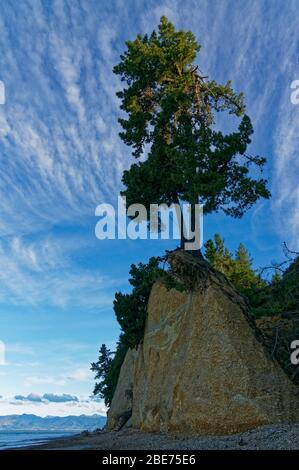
(120, 411)
(202, 367)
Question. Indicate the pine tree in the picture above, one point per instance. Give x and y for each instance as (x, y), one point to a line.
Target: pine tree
(218, 255)
(171, 109)
(102, 369)
(238, 268)
(243, 275)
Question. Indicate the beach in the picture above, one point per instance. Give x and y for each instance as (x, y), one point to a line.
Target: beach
(279, 437)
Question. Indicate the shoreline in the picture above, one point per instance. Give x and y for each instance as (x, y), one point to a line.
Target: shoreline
(41, 439)
(276, 437)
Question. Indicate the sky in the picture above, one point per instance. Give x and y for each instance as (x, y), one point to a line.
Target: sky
(60, 157)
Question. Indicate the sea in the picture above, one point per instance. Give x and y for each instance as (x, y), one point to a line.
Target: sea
(10, 440)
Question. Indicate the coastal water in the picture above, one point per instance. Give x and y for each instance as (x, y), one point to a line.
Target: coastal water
(9, 440)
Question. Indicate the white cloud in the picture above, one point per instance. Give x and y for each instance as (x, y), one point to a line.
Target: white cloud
(42, 272)
(286, 186)
(34, 397)
(43, 407)
(18, 348)
(55, 162)
(2, 353)
(81, 374)
(64, 398)
(44, 380)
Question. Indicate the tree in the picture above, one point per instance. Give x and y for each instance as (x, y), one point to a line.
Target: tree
(284, 292)
(171, 109)
(101, 369)
(243, 276)
(130, 309)
(238, 269)
(218, 256)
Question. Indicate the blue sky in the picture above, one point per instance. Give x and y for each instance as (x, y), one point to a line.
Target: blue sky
(60, 156)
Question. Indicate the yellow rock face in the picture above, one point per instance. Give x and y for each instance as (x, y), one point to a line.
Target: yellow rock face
(121, 406)
(201, 370)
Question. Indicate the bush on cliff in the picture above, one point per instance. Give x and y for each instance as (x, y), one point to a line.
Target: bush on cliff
(281, 296)
(130, 310)
(274, 302)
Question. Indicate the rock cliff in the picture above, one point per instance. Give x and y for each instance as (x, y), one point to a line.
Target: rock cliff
(121, 407)
(202, 367)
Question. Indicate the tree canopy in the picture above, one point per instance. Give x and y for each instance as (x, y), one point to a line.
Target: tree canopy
(170, 121)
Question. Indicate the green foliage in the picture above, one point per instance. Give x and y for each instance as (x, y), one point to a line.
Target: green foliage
(238, 269)
(282, 294)
(279, 296)
(243, 275)
(171, 111)
(130, 310)
(288, 288)
(170, 121)
(276, 278)
(107, 370)
(101, 369)
(280, 314)
(218, 256)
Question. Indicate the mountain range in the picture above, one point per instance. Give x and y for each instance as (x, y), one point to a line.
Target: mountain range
(30, 422)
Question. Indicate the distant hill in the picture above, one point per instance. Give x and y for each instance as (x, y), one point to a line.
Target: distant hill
(29, 422)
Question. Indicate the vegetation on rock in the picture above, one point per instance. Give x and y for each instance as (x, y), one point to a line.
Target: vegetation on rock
(277, 299)
(237, 268)
(171, 110)
(130, 310)
(275, 303)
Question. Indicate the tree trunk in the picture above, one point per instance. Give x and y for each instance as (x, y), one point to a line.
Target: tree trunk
(193, 227)
(184, 240)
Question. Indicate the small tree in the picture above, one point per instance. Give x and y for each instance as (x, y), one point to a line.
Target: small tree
(243, 276)
(218, 255)
(171, 110)
(238, 268)
(102, 369)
